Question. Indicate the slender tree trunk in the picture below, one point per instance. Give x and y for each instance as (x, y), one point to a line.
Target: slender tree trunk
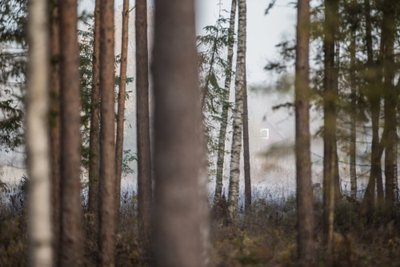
(305, 212)
(94, 145)
(353, 122)
(330, 96)
(180, 203)
(225, 107)
(54, 120)
(107, 182)
(119, 144)
(246, 147)
(390, 103)
(143, 125)
(237, 113)
(40, 232)
(71, 210)
(374, 97)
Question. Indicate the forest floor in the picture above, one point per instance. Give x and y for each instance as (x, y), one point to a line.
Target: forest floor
(266, 236)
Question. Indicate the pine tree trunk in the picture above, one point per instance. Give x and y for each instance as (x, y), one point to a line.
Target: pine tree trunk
(94, 145)
(179, 159)
(237, 114)
(107, 181)
(330, 97)
(71, 210)
(374, 98)
(390, 103)
(353, 136)
(225, 107)
(246, 148)
(119, 143)
(143, 125)
(40, 232)
(54, 120)
(305, 212)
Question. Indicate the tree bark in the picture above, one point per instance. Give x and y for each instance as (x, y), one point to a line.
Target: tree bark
(54, 121)
(40, 232)
(180, 203)
(237, 114)
(353, 120)
(225, 107)
(107, 182)
(71, 210)
(119, 144)
(94, 145)
(330, 97)
(390, 103)
(246, 148)
(143, 125)
(305, 212)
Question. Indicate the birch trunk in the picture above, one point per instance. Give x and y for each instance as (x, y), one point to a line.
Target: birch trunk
(305, 213)
(37, 136)
(119, 143)
(246, 148)
(237, 114)
(225, 108)
(107, 182)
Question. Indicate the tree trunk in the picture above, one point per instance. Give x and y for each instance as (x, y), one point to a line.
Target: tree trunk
(330, 97)
(246, 148)
(119, 144)
(94, 145)
(238, 114)
(40, 232)
(305, 212)
(54, 121)
(390, 103)
(374, 98)
(353, 120)
(71, 210)
(143, 125)
(225, 107)
(107, 182)
(180, 203)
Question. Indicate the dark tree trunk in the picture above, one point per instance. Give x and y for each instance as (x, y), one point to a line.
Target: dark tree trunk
(70, 251)
(390, 103)
(119, 144)
(143, 125)
(353, 108)
(94, 145)
(54, 120)
(179, 159)
(330, 97)
(107, 181)
(305, 212)
(246, 148)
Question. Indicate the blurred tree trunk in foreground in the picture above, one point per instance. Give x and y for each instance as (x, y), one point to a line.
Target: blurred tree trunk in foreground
(180, 194)
(40, 231)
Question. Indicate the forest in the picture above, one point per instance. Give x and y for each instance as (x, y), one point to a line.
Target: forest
(186, 192)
